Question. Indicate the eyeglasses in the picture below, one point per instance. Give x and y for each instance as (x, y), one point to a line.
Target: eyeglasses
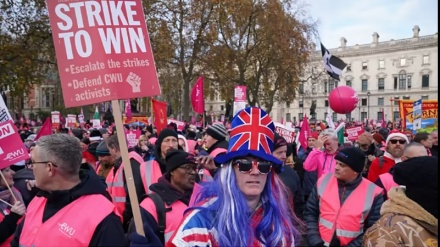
(394, 141)
(30, 164)
(245, 166)
(189, 167)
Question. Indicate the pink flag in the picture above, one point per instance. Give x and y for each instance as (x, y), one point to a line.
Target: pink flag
(197, 98)
(128, 113)
(304, 133)
(383, 119)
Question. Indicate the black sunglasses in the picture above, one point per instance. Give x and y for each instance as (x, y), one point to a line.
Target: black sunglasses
(400, 141)
(245, 166)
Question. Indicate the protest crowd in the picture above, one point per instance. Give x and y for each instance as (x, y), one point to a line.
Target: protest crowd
(221, 186)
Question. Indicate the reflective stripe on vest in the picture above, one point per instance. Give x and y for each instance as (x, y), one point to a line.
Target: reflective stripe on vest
(173, 217)
(387, 181)
(346, 220)
(150, 173)
(115, 186)
(73, 225)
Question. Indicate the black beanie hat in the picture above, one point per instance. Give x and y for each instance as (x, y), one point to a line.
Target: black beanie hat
(420, 176)
(353, 157)
(162, 135)
(102, 149)
(177, 157)
(278, 141)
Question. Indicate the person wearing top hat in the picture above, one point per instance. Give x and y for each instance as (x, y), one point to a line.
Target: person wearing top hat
(410, 215)
(343, 204)
(246, 204)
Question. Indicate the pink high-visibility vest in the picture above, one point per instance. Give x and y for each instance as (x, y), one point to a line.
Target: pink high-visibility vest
(73, 225)
(346, 220)
(206, 174)
(387, 181)
(150, 174)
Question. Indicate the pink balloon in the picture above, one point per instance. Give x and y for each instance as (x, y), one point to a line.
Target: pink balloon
(343, 99)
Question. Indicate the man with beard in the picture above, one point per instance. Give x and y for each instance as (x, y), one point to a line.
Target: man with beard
(395, 143)
(370, 150)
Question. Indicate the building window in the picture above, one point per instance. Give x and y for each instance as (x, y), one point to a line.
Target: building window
(408, 80)
(396, 100)
(222, 108)
(326, 103)
(331, 85)
(288, 105)
(395, 83)
(425, 97)
(288, 117)
(300, 116)
(348, 116)
(425, 81)
(348, 83)
(379, 116)
(402, 81)
(381, 64)
(349, 68)
(380, 101)
(325, 86)
(364, 85)
(403, 62)
(396, 115)
(301, 103)
(381, 84)
(406, 97)
(364, 102)
(301, 88)
(364, 65)
(211, 107)
(425, 59)
(335, 117)
(363, 115)
(314, 89)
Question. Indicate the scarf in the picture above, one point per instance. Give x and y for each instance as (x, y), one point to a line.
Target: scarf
(6, 196)
(388, 155)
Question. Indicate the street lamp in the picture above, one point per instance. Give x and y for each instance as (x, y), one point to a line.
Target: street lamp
(368, 113)
(359, 108)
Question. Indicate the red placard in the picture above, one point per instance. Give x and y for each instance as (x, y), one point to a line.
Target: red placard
(354, 132)
(12, 149)
(103, 50)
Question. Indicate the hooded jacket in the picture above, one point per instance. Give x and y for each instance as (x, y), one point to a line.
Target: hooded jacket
(403, 222)
(108, 233)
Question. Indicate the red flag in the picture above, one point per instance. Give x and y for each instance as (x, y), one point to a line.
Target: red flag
(197, 98)
(128, 113)
(383, 119)
(160, 114)
(45, 130)
(304, 133)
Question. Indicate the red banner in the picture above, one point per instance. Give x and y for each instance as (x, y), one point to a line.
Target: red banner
(128, 112)
(102, 47)
(354, 132)
(197, 97)
(160, 114)
(429, 114)
(304, 133)
(288, 134)
(12, 149)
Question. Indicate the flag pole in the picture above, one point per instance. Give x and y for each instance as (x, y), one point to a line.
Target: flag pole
(127, 168)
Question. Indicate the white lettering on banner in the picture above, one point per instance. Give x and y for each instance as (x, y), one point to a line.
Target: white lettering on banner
(66, 229)
(16, 154)
(114, 39)
(131, 139)
(6, 130)
(1, 150)
(110, 78)
(287, 134)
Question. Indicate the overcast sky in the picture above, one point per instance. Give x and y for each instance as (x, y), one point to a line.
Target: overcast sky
(357, 20)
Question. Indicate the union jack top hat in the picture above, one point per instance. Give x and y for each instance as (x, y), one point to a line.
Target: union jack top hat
(251, 134)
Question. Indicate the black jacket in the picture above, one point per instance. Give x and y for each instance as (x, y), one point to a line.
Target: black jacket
(20, 184)
(8, 225)
(292, 181)
(312, 212)
(108, 233)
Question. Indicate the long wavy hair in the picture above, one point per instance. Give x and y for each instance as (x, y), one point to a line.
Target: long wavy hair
(278, 227)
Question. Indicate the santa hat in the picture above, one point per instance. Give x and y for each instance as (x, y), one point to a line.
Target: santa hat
(396, 133)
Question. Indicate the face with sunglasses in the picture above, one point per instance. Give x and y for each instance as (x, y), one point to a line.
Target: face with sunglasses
(251, 175)
(395, 147)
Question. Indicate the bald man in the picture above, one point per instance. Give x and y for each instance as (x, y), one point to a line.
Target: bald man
(413, 149)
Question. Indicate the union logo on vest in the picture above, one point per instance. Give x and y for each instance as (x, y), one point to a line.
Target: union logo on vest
(66, 229)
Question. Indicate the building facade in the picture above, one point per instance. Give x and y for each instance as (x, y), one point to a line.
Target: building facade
(381, 73)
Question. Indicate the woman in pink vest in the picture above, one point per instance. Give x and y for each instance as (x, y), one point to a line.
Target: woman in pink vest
(174, 191)
(343, 205)
(11, 211)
